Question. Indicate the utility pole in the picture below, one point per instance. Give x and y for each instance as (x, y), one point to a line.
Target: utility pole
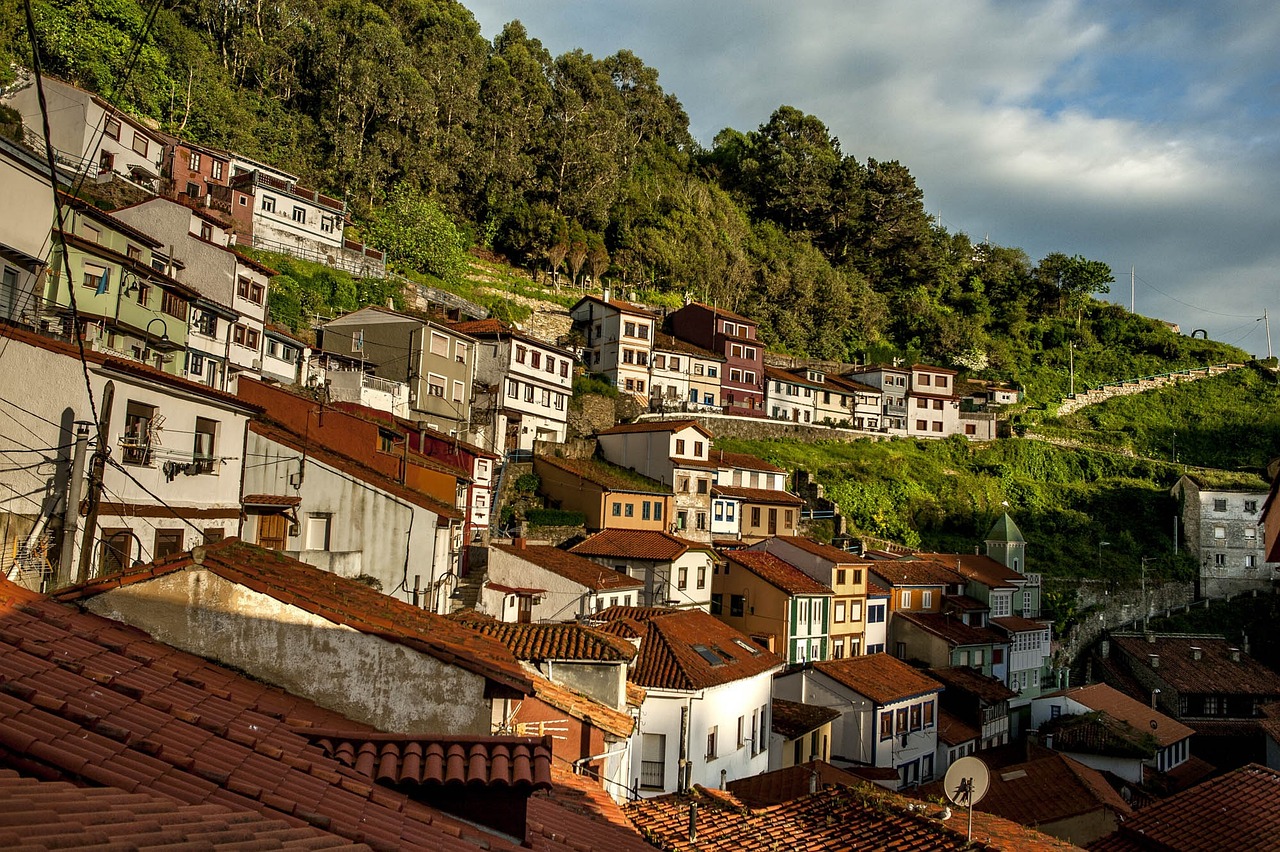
(96, 471)
(1133, 289)
(71, 512)
(1267, 322)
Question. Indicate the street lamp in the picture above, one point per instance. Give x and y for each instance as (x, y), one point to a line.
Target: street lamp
(164, 335)
(1101, 545)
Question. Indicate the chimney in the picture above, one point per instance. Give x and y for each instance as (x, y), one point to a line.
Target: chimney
(606, 293)
(1235, 654)
(520, 542)
(1155, 660)
(693, 822)
(1151, 638)
(813, 781)
(1196, 653)
(1106, 648)
(724, 778)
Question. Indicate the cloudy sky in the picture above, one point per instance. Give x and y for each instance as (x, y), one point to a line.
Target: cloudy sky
(1143, 134)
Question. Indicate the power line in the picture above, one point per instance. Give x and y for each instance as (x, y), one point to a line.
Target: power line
(1189, 305)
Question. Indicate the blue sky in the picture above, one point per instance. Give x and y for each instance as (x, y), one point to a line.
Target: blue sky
(1142, 134)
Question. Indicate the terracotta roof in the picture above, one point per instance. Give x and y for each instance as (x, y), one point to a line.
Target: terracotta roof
(721, 312)
(688, 649)
(1098, 733)
(964, 602)
(618, 304)
(93, 702)
(758, 495)
(442, 760)
(608, 476)
(779, 375)
(724, 458)
(826, 551)
(664, 341)
(777, 573)
(835, 819)
(1117, 705)
(953, 731)
(270, 500)
(932, 369)
(1214, 673)
(792, 719)
(952, 629)
(576, 569)
(980, 568)
(57, 815)
(576, 810)
(336, 599)
(656, 426)
(1048, 789)
(783, 785)
(352, 467)
(874, 591)
(1018, 624)
(541, 642)
(653, 545)
(386, 417)
(916, 572)
(583, 708)
(974, 682)
(881, 677)
(853, 385)
(1238, 810)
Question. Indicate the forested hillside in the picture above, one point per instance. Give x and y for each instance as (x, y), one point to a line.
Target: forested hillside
(585, 166)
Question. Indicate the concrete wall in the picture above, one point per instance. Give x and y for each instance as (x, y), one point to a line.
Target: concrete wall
(363, 677)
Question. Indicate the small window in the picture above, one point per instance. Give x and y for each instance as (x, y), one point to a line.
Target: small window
(113, 128)
(1251, 506)
(318, 529)
(168, 542)
(1220, 505)
(140, 145)
(268, 204)
(206, 438)
(300, 215)
(193, 162)
(215, 170)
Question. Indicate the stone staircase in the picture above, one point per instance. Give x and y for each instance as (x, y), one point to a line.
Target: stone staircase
(467, 595)
(1140, 385)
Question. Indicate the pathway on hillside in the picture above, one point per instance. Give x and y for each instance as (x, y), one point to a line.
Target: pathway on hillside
(1139, 385)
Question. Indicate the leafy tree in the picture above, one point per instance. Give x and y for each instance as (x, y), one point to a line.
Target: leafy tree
(415, 232)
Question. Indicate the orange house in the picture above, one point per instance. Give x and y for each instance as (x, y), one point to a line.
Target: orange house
(610, 497)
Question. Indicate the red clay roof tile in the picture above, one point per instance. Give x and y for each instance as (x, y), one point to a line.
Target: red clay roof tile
(775, 572)
(540, 642)
(635, 544)
(758, 495)
(564, 564)
(881, 677)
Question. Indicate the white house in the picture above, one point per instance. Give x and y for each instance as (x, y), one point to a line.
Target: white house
(675, 571)
(618, 339)
(523, 386)
(537, 582)
(25, 221)
(790, 396)
(683, 377)
(172, 479)
(676, 453)
(1170, 740)
(933, 409)
(889, 712)
(89, 136)
(706, 717)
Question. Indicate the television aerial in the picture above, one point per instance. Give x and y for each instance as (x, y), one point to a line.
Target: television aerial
(965, 783)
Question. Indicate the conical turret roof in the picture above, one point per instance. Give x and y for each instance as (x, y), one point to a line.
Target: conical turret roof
(1004, 529)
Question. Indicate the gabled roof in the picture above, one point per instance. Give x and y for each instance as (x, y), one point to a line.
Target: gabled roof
(1100, 734)
(719, 312)
(838, 818)
(687, 649)
(743, 461)
(1238, 810)
(1045, 790)
(979, 568)
(608, 476)
(656, 426)
(1113, 702)
(1215, 673)
(897, 573)
(1018, 624)
(617, 305)
(953, 731)
(664, 341)
(791, 719)
(93, 702)
(781, 575)
(881, 677)
(336, 599)
(783, 785)
(571, 567)
(541, 642)
(826, 551)
(951, 629)
(653, 545)
(758, 495)
(974, 682)
(584, 708)
(56, 814)
(1004, 529)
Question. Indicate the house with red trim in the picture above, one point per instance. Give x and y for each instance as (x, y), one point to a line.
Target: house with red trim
(733, 336)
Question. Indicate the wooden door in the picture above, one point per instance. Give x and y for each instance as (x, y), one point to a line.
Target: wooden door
(272, 530)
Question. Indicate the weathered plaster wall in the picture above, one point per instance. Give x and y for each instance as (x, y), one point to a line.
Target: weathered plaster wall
(368, 679)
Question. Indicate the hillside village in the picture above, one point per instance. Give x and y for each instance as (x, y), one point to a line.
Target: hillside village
(369, 586)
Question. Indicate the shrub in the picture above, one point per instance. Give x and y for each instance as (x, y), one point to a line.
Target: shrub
(554, 518)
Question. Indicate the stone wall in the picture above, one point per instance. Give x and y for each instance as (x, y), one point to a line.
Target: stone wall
(1111, 607)
(761, 428)
(1132, 386)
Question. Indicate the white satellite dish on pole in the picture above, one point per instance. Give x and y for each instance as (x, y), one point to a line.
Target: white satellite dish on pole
(965, 783)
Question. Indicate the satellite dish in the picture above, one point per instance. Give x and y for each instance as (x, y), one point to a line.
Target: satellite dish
(966, 782)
